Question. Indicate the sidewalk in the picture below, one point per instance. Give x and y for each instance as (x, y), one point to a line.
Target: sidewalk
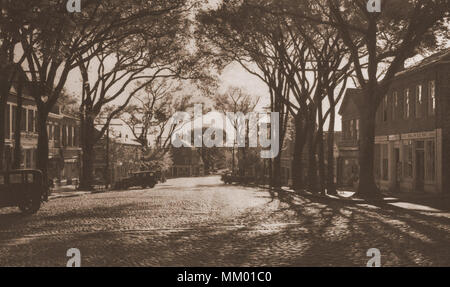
(66, 191)
(428, 202)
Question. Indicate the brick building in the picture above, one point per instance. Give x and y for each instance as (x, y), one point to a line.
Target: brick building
(412, 143)
(63, 133)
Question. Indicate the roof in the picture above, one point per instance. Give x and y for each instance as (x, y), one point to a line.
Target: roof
(437, 58)
(350, 94)
(125, 141)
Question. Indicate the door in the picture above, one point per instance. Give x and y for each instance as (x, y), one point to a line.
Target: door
(397, 172)
(420, 170)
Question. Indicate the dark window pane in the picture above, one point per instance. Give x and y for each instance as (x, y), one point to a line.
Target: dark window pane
(7, 123)
(23, 121)
(15, 178)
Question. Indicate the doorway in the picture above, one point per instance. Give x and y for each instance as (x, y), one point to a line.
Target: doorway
(420, 170)
(398, 166)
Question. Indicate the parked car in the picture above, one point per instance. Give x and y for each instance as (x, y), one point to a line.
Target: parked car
(227, 178)
(25, 189)
(144, 179)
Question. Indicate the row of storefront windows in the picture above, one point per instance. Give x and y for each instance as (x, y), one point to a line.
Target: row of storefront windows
(404, 160)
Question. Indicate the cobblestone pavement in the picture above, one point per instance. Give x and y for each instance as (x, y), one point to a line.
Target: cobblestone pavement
(201, 222)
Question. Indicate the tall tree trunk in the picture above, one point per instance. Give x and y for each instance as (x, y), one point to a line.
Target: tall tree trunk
(331, 187)
(87, 145)
(3, 121)
(299, 146)
(42, 147)
(18, 124)
(312, 164)
(367, 186)
(321, 152)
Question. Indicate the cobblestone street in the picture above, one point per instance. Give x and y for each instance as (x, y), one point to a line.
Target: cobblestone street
(201, 222)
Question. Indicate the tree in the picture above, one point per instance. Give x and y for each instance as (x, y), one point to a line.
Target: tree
(149, 119)
(151, 48)
(379, 44)
(235, 100)
(299, 61)
(12, 18)
(52, 40)
(231, 33)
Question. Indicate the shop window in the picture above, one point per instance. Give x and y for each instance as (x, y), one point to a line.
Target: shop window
(30, 126)
(408, 157)
(377, 157)
(64, 136)
(430, 161)
(432, 98)
(385, 162)
(50, 132)
(23, 121)
(419, 101)
(27, 158)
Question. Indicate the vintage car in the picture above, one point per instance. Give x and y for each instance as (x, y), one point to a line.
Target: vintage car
(144, 179)
(23, 188)
(228, 178)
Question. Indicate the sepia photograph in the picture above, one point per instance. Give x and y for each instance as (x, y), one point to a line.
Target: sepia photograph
(225, 134)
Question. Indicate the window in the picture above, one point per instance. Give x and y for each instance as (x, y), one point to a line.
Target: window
(13, 119)
(357, 129)
(377, 158)
(27, 158)
(407, 107)
(432, 98)
(57, 135)
(64, 135)
(419, 101)
(407, 154)
(385, 162)
(23, 121)
(8, 122)
(385, 109)
(2, 179)
(15, 178)
(50, 131)
(394, 105)
(30, 127)
(70, 138)
(351, 129)
(430, 161)
(29, 178)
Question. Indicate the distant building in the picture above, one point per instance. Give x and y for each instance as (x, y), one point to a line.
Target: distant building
(187, 162)
(412, 143)
(124, 155)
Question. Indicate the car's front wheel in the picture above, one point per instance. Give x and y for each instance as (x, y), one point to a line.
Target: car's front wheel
(30, 205)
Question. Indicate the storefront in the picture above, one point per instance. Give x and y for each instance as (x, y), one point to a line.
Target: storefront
(409, 162)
